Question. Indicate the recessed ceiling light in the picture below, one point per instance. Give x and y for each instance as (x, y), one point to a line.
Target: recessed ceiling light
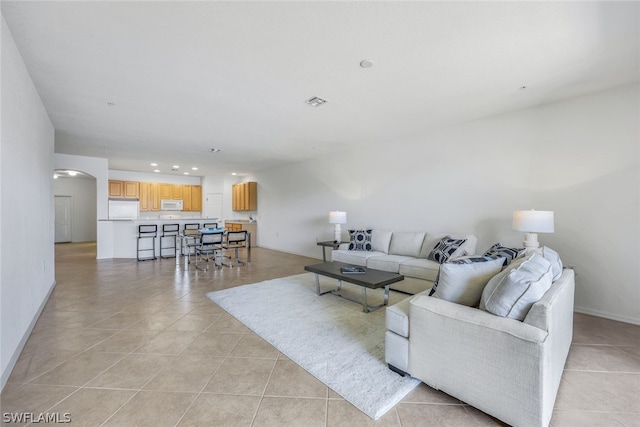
(194, 168)
(186, 173)
(176, 167)
(366, 63)
(316, 101)
(156, 170)
(214, 150)
(233, 173)
(154, 164)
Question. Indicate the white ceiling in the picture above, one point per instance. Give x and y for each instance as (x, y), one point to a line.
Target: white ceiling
(189, 76)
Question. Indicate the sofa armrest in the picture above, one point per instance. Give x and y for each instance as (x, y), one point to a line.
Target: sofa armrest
(495, 364)
(344, 246)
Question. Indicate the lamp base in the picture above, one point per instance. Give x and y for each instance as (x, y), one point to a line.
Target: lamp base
(337, 233)
(531, 242)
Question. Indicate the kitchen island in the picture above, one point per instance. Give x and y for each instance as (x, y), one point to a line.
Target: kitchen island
(118, 236)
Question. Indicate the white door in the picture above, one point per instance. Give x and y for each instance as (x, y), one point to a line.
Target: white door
(63, 218)
(213, 205)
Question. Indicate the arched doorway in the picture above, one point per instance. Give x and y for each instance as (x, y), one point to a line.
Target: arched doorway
(75, 208)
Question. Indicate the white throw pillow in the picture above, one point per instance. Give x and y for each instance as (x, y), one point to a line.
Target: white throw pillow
(380, 240)
(513, 291)
(462, 280)
(554, 259)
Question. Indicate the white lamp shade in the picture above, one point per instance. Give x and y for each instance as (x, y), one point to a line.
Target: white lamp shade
(533, 221)
(337, 217)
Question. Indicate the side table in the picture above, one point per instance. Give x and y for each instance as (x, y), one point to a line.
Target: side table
(328, 244)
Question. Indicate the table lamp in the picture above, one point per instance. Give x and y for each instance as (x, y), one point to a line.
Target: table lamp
(337, 218)
(532, 222)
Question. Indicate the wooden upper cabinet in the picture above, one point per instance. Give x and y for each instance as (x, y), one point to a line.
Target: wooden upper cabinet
(177, 192)
(131, 189)
(154, 196)
(115, 189)
(196, 198)
(145, 196)
(126, 189)
(245, 196)
(166, 191)
(186, 198)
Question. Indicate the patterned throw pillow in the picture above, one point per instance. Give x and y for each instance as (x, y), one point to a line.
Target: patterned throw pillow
(509, 254)
(444, 249)
(360, 240)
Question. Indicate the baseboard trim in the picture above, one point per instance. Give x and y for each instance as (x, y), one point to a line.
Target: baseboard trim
(16, 354)
(605, 315)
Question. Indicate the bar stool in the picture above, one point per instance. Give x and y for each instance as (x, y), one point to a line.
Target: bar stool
(169, 230)
(191, 241)
(147, 231)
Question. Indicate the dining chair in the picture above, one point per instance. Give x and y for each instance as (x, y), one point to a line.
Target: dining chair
(210, 246)
(235, 241)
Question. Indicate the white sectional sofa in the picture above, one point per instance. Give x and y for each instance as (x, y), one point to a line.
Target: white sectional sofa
(404, 253)
(507, 366)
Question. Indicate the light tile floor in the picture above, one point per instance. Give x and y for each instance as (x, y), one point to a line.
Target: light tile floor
(127, 343)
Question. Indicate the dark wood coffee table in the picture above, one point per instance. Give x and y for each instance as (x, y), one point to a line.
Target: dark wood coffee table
(372, 279)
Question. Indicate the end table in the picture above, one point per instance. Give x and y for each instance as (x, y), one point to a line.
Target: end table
(328, 244)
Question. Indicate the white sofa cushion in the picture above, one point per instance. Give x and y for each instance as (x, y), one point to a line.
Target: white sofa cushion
(387, 262)
(554, 259)
(406, 243)
(353, 257)
(462, 280)
(380, 240)
(420, 268)
(512, 292)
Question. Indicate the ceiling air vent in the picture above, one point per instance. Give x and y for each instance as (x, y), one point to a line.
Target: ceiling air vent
(316, 101)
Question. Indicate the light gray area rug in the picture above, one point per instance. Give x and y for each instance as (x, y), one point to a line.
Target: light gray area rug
(330, 337)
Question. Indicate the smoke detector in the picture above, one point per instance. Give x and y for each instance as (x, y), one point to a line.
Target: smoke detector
(316, 101)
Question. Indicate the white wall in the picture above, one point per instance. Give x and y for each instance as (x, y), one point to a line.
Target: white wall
(578, 158)
(83, 206)
(27, 227)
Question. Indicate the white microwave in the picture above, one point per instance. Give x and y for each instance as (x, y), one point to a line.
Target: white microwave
(170, 205)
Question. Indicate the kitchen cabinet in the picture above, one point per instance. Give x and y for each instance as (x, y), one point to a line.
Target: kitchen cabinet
(166, 191)
(177, 191)
(115, 189)
(149, 196)
(244, 196)
(192, 198)
(126, 189)
(186, 198)
(154, 196)
(145, 196)
(196, 198)
(131, 189)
